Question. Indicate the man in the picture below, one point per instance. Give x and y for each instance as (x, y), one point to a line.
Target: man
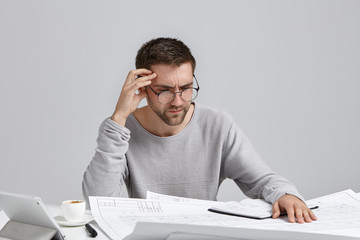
(174, 146)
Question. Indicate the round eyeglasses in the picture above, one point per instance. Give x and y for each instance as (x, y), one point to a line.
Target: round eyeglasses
(187, 95)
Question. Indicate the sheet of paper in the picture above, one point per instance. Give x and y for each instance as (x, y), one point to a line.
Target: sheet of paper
(168, 198)
(192, 236)
(118, 216)
(338, 214)
(3, 219)
(151, 231)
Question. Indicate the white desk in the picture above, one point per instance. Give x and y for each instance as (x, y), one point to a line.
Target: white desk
(77, 233)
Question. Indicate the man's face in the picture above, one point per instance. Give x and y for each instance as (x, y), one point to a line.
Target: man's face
(175, 79)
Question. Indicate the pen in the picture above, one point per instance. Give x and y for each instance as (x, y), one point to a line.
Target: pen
(92, 232)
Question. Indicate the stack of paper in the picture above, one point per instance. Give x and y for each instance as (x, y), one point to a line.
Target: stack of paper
(338, 215)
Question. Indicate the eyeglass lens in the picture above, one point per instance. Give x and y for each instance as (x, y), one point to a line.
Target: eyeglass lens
(187, 95)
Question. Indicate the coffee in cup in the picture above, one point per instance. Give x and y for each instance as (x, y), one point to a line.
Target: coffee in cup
(73, 210)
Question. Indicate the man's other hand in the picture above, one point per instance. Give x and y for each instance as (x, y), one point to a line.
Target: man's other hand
(295, 209)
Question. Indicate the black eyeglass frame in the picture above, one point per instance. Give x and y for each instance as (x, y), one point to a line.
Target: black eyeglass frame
(174, 93)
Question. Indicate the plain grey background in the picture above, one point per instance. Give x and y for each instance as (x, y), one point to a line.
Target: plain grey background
(287, 71)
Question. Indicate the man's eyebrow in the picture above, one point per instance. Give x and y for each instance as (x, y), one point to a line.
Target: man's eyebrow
(187, 85)
(166, 86)
(162, 86)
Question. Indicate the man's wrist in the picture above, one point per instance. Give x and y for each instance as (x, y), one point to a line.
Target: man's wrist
(118, 119)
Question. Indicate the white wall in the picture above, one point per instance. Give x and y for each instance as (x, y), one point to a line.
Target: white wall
(288, 72)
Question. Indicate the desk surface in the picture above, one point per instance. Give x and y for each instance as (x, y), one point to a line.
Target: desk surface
(77, 233)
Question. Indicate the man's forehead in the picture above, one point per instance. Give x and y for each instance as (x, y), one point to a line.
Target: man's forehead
(171, 80)
(168, 83)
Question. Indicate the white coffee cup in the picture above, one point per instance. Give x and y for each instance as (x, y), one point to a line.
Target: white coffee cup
(73, 210)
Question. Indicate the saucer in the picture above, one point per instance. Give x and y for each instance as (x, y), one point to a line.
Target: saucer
(62, 221)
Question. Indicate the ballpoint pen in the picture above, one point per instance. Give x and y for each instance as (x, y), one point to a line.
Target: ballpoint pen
(92, 232)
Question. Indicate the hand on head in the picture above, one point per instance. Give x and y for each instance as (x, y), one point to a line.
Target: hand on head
(132, 93)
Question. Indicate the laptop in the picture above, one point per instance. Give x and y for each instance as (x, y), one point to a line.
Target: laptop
(29, 210)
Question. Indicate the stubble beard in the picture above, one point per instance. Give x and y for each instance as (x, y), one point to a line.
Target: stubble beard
(173, 119)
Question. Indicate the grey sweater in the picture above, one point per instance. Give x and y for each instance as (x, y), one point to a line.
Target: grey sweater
(192, 163)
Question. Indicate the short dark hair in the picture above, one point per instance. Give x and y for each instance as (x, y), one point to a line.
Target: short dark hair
(168, 51)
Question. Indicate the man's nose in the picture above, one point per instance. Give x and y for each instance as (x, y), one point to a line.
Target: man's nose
(177, 101)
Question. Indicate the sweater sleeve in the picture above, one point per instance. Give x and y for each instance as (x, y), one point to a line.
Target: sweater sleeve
(106, 173)
(253, 176)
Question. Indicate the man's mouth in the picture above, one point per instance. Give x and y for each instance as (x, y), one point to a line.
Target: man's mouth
(174, 111)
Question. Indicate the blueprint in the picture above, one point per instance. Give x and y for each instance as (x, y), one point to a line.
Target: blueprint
(338, 215)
